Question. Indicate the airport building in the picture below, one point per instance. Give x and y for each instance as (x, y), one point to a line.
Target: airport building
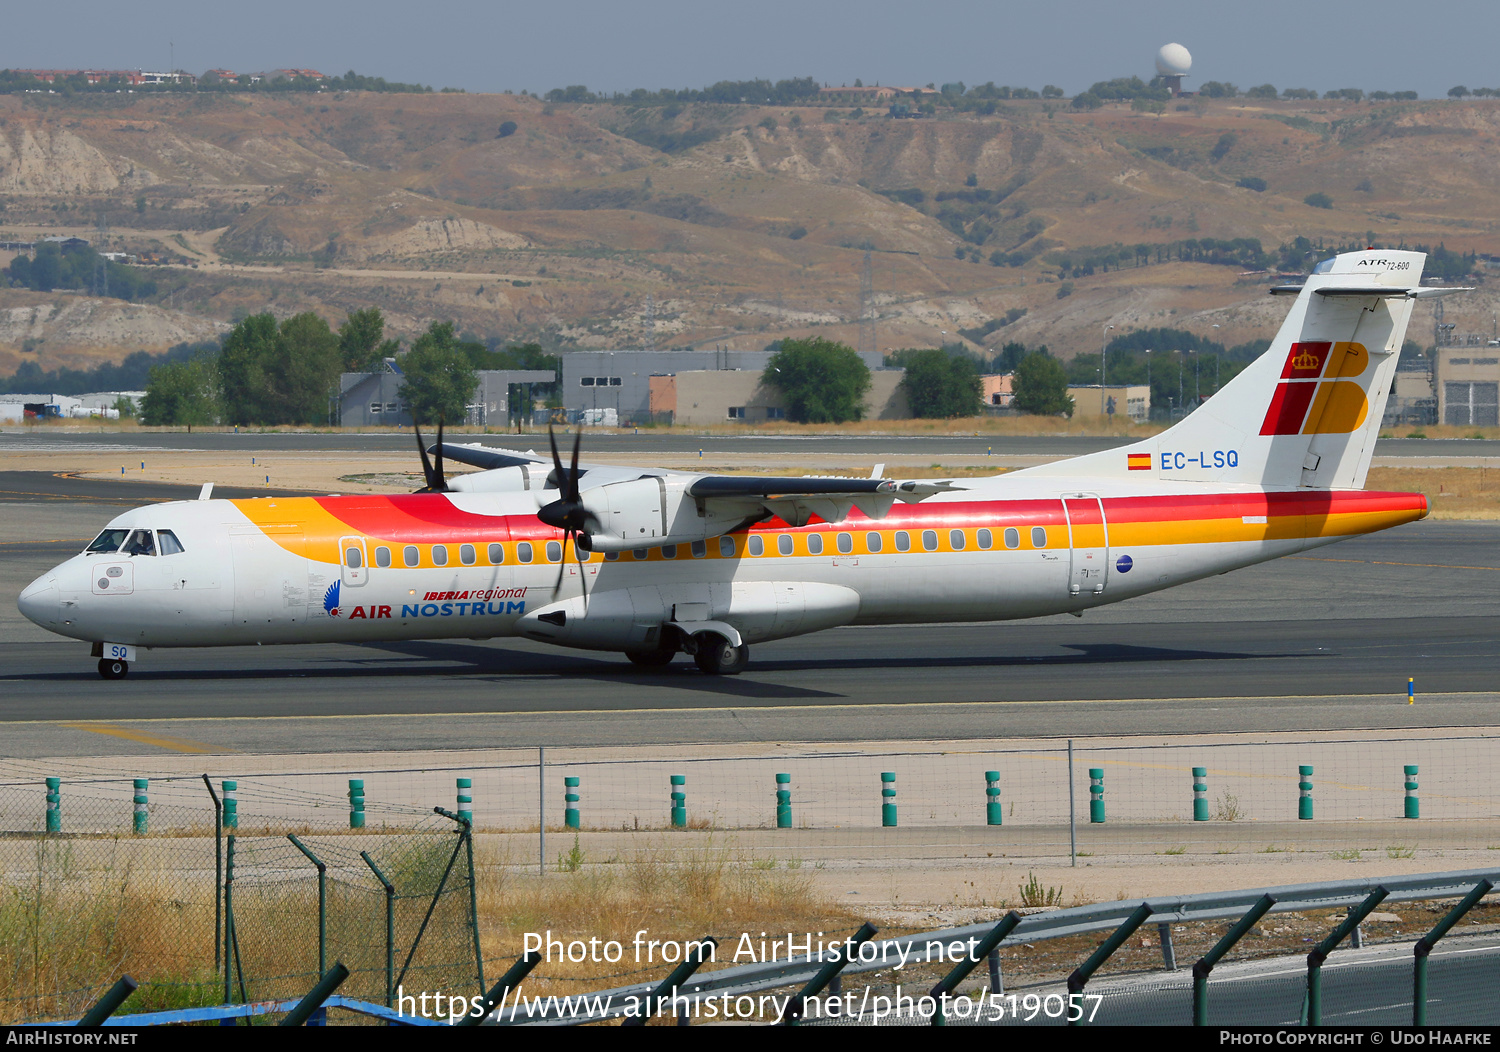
(1093, 401)
(1468, 386)
(374, 399)
(713, 396)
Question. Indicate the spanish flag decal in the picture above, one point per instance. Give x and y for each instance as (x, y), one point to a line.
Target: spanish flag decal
(1138, 461)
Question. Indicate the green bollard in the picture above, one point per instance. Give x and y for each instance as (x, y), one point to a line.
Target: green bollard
(570, 797)
(1200, 794)
(466, 800)
(783, 801)
(994, 810)
(1096, 795)
(138, 818)
(1304, 800)
(54, 805)
(356, 803)
(1413, 804)
(679, 801)
(887, 798)
(231, 805)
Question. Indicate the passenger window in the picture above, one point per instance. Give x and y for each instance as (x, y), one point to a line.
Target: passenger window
(168, 542)
(1012, 537)
(756, 544)
(440, 555)
(353, 558)
(466, 554)
(669, 551)
(497, 554)
(726, 547)
(1038, 537)
(846, 543)
(610, 557)
(956, 540)
(872, 542)
(554, 552)
(108, 541)
(382, 557)
(986, 541)
(929, 540)
(523, 552)
(641, 553)
(784, 544)
(409, 555)
(699, 549)
(903, 541)
(815, 543)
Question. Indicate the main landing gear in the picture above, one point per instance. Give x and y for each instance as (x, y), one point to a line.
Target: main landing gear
(113, 668)
(714, 654)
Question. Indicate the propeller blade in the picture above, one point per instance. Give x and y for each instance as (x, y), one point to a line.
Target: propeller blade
(562, 564)
(573, 493)
(442, 483)
(557, 469)
(583, 577)
(426, 463)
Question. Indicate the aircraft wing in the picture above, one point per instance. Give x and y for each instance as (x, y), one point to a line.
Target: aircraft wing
(487, 457)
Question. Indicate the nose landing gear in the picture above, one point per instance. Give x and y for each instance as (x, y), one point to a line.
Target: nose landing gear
(113, 668)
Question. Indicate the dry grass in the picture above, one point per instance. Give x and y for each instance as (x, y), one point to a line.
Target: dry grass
(1452, 493)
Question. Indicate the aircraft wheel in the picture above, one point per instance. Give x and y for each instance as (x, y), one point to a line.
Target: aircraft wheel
(717, 656)
(651, 658)
(113, 669)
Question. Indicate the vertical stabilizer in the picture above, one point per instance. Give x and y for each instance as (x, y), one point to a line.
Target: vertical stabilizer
(1307, 412)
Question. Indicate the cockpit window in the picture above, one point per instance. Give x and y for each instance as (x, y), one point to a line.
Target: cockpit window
(140, 543)
(108, 541)
(168, 542)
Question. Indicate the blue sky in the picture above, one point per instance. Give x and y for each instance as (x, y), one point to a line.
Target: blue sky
(494, 46)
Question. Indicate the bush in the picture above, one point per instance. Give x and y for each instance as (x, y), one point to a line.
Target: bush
(1253, 182)
(506, 129)
(1318, 200)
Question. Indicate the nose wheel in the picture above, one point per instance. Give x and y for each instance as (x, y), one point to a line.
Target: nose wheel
(111, 668)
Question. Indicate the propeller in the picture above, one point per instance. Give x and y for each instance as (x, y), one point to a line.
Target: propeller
(432, 474)
(567, 513)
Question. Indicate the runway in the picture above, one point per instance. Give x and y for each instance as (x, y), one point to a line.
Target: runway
(1323, 641)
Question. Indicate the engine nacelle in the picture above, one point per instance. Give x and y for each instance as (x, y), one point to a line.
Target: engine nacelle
(653, 510)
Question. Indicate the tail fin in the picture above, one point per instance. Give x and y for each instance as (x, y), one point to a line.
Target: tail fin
(1306, 413)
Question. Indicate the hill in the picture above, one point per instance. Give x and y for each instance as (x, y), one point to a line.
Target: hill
(530, 220)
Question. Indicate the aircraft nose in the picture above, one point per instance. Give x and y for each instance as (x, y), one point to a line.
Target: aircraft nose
(41, 602)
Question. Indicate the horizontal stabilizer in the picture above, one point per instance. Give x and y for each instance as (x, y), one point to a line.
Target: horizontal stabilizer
(1378, 292)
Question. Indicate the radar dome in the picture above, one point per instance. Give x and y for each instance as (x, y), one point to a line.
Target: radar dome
(1173, 60)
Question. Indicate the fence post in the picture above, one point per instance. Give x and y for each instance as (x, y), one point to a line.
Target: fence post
(390, 929)
(986, 946)
(692, 959)
(1072, 811)
(322, 902)
(783, 801)
(466, 799)
(828, 975)
(1168, 951)
(541, 809)
(1412, 803)
(106, 1005)
(1304, 790)
(1096, 795)
(139, 817)
(313, 1000)
(218, 866)
(54, 805)
(887, 798)
(1084, 971)
(229, 920)
(501, 990)
(1205, 964)
(231, 805)
(1321, 951)
(1200, 794)
(570, 797)
(994, 810)
(1426, 943)
(679, 801)
(356, 803)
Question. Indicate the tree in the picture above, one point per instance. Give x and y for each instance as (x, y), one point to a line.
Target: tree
(1087, 101)
(1262, 91)
(440, 378)
(181, 393)
(361, 341)
(279, 374)
(1458, 91)
(938, 384)
(823, 382)
(1318, 200)
(1041, 386)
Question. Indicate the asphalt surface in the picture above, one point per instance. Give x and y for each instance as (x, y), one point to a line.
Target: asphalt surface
(1323, 641)
(647, 443)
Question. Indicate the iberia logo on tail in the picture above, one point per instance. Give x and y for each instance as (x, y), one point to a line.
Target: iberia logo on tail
(1318, 393)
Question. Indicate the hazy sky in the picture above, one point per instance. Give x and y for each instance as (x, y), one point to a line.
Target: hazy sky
(492, 46)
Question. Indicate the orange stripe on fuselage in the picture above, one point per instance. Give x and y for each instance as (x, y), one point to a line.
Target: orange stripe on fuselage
(1147, 520)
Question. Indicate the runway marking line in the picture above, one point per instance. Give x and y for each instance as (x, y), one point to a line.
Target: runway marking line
(903, 707)
(1381, 562)
(186, 745)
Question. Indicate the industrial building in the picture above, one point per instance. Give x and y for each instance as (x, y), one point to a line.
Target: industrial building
(1468, 385)
(374, 399)
(697, 397)
(1093, 401)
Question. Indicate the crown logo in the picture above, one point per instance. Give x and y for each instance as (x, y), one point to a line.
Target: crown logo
(1306, 360)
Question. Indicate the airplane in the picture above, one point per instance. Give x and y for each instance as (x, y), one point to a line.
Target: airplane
(653, 563)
